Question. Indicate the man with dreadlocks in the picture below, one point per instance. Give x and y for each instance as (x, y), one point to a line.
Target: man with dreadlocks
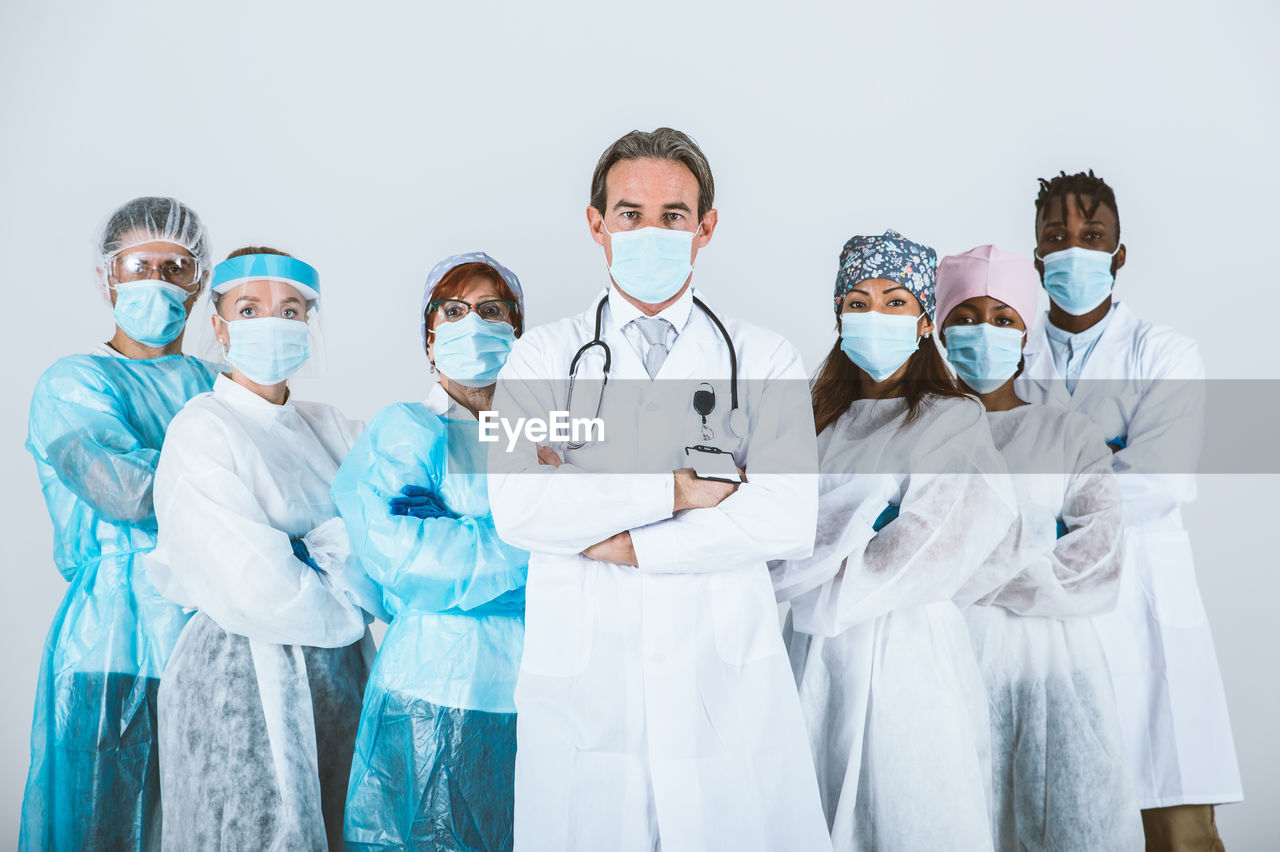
(1143, 385)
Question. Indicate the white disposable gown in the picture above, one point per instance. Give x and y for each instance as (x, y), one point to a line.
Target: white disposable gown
(1059, 776)
(655, 704)
(893, 698)
(1145, 384)
(261, 698)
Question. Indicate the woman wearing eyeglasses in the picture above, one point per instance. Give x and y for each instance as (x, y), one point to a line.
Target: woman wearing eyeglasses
(97, 423)
(435, 753)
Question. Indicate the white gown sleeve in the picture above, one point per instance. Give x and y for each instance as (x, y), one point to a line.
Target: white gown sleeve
(560, 510)
(774, 514)
(957, 505)
(1078, 574)
(1157, 466)
(218, 551)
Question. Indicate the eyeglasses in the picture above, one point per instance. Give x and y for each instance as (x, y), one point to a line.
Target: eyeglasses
(491, 310)
(180, 269)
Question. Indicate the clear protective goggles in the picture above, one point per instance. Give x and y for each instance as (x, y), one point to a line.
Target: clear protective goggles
(181, 270)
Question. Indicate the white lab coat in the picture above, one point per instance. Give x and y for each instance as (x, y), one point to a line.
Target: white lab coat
(1144, 383)
(655, 704)
(1058, 769)
(894, 702)
(250, 754)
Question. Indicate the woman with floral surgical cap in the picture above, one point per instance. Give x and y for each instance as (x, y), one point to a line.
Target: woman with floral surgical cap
(1058, 768)
(435, 754)
(913, 496)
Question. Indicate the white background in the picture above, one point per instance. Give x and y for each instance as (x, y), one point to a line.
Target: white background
(373, 139)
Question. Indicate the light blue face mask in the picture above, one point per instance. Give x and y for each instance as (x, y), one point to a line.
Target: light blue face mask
(268, 350)
(984, 356)
(1078, 279)
(651, 264)
(879, 343)
(472, 351)
(151, 312)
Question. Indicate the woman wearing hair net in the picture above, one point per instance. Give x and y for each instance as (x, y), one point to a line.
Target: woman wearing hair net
(913, 497)
(1058, 769)
(97, 423)
(435, 755)
(260, 700)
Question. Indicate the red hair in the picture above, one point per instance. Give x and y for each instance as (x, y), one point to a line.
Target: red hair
(455, 281)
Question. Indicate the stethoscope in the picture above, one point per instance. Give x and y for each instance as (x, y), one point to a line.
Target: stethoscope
(704, 399)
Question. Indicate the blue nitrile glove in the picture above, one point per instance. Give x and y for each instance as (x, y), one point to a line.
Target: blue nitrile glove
(890, 512)
(419, 502)
(304, 555)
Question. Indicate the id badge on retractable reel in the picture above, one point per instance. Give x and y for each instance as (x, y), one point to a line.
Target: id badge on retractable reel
(708, 461)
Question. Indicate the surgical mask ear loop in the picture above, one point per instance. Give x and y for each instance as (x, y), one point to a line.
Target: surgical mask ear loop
(1039, 257)
(694, 237)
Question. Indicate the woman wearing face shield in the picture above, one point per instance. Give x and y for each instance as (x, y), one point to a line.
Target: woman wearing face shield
(912, 497)
(259, 703)
(436, 748)
(97, 423)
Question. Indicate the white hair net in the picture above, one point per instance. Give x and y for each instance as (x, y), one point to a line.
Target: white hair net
(151, 219)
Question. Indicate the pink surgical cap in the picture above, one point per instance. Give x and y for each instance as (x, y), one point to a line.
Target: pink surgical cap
(987, 271)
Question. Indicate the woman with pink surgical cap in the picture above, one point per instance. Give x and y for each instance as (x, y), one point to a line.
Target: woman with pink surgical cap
(1059, 777)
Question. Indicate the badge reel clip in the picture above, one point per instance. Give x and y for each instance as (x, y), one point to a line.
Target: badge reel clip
(710, 462)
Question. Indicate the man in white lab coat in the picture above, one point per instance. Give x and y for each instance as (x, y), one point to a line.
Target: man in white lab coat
(655, 704)
(1143, 384)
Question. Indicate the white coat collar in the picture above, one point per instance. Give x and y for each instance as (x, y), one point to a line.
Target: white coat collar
(677, 313)
(1041, 370)
(439, 403)
(242, 399)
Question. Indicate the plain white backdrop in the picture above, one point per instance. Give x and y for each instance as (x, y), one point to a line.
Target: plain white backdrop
(374, 139)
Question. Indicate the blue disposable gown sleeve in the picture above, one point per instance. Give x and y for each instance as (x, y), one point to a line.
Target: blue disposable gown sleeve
(431, 564)
(80, 426)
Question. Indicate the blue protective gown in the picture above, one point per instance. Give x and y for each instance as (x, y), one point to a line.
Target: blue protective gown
(435, 752)
(97, 423)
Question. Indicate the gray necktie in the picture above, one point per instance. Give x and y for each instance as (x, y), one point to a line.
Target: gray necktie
(654, 330)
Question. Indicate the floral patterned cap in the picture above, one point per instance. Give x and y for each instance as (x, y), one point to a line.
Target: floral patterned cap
(890, 256)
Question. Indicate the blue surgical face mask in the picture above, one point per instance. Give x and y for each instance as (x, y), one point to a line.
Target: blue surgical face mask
(984, 356)
(471, 351)
(879, 343)
(651, 264)
(268, 350)
(151, 312)
(1078, 279)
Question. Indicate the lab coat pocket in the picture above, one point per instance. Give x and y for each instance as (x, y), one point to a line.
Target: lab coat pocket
(559, 618)
(744, 615)
(1169, 576)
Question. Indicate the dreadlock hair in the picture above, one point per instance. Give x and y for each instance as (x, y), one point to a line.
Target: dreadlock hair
(1079, 184)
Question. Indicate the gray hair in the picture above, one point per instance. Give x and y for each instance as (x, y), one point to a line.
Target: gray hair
(661, 144)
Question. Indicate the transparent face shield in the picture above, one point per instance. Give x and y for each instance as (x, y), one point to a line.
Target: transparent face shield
(262, 318)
